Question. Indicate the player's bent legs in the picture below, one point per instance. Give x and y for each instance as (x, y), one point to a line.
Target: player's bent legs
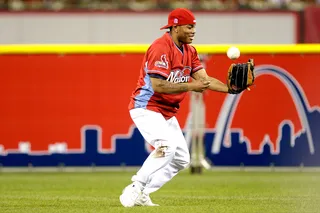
(180, 160)
(155, 130)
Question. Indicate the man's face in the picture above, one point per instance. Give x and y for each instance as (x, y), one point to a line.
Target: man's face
(186, 33)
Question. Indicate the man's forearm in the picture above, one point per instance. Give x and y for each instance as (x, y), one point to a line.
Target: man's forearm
(168, 87)
(217, 85)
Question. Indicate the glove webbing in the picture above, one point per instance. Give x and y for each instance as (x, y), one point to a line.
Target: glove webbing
(240, 74)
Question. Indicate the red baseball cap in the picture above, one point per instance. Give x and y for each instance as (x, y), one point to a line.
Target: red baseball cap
(180, 16)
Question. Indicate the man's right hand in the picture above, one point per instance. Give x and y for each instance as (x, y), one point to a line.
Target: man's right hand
(198, 85)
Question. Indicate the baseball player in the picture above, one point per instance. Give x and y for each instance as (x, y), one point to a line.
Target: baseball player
(170, 68)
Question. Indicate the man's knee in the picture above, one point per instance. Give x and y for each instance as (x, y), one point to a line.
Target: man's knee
(186, 162)
(163, 149)
(183, 162)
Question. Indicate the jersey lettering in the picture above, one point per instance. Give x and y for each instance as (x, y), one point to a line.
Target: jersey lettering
(179, 76)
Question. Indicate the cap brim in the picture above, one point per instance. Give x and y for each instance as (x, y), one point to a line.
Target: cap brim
(165, 27)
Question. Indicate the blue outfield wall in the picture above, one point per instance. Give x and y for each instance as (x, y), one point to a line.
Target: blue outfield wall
(132, 151)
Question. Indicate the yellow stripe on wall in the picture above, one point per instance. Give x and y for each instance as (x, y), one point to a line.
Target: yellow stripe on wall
(141, 48)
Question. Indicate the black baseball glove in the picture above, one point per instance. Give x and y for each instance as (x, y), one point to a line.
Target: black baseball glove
(240, 76)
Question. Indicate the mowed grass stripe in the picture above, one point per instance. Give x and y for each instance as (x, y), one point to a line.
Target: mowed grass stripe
(265, 192)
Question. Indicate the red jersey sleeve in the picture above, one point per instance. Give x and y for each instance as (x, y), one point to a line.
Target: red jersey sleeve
(158, 61)
(196, 63)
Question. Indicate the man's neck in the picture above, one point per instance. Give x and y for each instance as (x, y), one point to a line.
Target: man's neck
(176, 41)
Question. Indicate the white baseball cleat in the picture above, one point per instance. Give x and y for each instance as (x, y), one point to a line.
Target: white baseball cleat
(129, 195)
(144, 200)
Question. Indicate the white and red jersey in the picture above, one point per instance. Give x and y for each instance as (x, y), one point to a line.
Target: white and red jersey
(164, 59)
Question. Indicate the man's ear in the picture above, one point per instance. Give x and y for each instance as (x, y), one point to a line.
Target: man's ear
(175, 28)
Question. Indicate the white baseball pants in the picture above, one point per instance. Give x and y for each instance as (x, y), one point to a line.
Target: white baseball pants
(167, 138)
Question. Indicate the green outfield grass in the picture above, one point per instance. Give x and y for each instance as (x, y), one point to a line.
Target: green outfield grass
(234, 192)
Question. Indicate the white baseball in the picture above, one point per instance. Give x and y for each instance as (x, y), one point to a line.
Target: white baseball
(233, 53)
